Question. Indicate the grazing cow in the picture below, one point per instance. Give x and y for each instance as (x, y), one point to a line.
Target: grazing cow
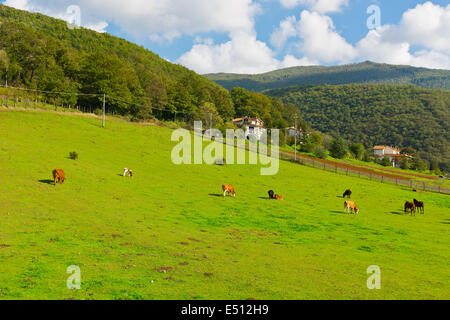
(59, 176)
(271, 194)
(410, 207)
(350, 207)
(228, 188)
(128, 172)
(347, 193)
(420, 206)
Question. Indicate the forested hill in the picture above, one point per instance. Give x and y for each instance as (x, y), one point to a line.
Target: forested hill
(404, 116)
(42, 53)
(366, 72)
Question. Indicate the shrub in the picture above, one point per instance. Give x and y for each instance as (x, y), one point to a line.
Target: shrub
(320, 152)
(73, 155)
(386, 162)
(404, 164)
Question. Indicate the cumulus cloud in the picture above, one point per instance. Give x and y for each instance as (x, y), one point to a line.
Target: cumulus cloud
(321, 6)
(420, 39)
(242, 54)
(426, 26)
(321, 41)
(286, 30)
(317, 40)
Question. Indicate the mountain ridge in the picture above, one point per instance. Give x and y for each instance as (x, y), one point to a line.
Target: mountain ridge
(364, 72)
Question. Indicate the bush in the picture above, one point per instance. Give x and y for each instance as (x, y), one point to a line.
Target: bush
(386, 162)
(366, 156)
(320, 152)
(338, 149)
(404, 164)
(357, 150)
(98, 112)
(73, 155)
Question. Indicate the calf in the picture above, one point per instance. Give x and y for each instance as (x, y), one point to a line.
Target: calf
(347, 193)
(59, 176)
(410, 207)
(350, 207)
(127, 171)
(420, 206)
(228, 188)
(278, 197)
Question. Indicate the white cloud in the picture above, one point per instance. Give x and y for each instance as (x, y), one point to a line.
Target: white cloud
(321, 41)
(422, 39)
(426, 26)
(287, 29)
(242, 54)
(321, 6)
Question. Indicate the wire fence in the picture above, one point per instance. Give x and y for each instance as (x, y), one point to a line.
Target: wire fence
(361, 173)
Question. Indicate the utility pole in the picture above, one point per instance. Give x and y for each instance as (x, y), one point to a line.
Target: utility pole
(104, 108)
(295, 153)
(210, 122)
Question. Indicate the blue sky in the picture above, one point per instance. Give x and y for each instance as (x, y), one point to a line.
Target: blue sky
(254, 36)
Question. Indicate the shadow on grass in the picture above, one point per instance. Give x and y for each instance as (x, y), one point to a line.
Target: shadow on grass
(399, 213)
(265, 198)
(338, 212)
(216, 195)
(51, 182)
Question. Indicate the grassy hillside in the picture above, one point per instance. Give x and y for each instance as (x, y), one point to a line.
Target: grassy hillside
(366, 72)
(404, 116)
(124, 233)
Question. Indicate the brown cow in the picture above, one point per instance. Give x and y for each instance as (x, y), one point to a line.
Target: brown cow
(409, 206)
(59, 176)
(351, 207)
(228, 188)
(278, 197)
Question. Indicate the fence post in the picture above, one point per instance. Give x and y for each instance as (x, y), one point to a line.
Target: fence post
(382, 179)
(7, 98)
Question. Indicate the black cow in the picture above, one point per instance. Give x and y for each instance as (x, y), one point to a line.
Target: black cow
(271, 194)
(348, 194)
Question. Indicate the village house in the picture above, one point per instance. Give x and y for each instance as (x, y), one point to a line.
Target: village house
(290, 132)
(393, 154)
(251, 126)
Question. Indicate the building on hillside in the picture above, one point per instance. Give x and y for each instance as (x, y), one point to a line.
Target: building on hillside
(393, 154)
(251, 126)
(290, 132)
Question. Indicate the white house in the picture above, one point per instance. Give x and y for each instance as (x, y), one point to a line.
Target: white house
(251, 126)
(393, 154)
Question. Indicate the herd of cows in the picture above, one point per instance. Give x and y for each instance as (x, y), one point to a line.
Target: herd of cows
(349, 206)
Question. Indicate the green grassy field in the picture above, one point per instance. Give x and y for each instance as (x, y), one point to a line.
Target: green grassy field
(168, 234)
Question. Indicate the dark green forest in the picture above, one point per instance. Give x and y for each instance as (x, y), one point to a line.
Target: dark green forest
(40, 52)
(404, 116)
(366, 72)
